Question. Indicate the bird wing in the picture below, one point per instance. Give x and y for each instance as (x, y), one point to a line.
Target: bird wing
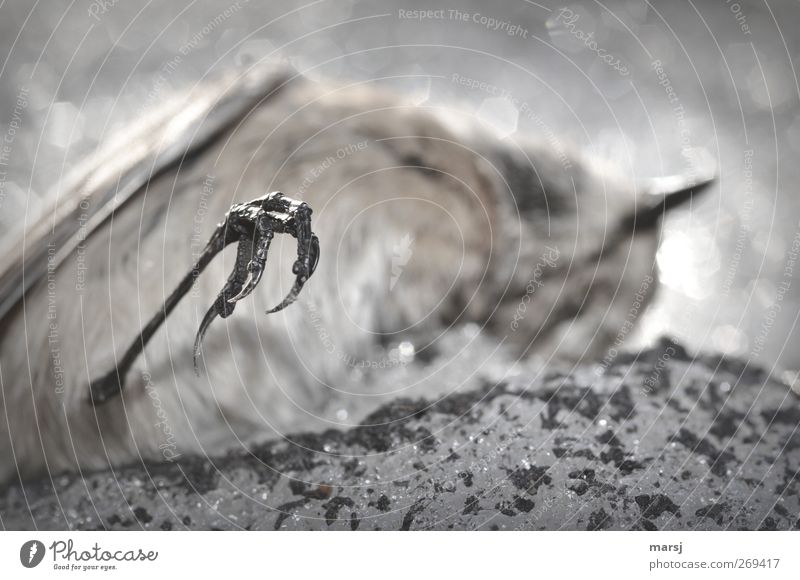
(170, 136)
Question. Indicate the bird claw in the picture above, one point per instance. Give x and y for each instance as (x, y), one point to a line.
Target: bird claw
(303, 268)
(253, 225)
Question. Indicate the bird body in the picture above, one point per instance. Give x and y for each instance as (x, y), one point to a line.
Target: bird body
(423, 228)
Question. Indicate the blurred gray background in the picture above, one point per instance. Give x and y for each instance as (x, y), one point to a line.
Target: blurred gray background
(72, 74)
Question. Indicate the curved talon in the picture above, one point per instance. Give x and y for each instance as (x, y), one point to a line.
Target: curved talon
(247, 288)
(255, 268)
(304, 267)
(290, 297)
(314, 254)
(206, 322)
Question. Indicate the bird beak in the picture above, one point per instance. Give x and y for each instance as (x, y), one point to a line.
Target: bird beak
(664, 194)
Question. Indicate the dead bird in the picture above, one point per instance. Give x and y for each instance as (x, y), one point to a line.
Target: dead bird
(424, 224)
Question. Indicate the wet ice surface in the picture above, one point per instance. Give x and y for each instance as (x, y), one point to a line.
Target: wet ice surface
(696, 443)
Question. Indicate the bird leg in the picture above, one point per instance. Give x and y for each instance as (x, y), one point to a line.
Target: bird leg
(252, 225)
